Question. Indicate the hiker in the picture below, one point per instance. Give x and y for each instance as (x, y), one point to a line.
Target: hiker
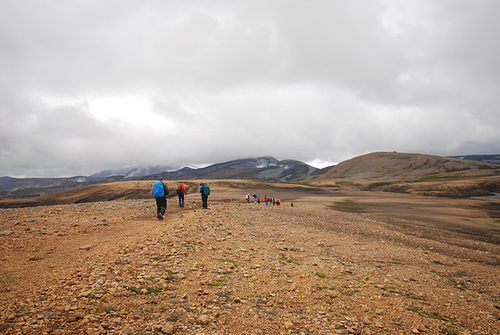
(205, 192)
(274, 201)
(292, 204)
(255, 198)
(160, 192)
(278, 202)
(266, 199)
(247, 198)
(181, 190)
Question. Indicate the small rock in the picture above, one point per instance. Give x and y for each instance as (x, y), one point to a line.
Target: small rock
(86, 247)
(168, 329)
(86, 293)
(288, 325)
(203, 319)
(417, 328)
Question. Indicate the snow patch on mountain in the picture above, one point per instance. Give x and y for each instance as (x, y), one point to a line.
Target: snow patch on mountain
(271, 173)
(311, 170)
(130, 172)
(259, 163)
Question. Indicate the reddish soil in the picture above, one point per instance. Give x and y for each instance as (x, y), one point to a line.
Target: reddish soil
(338, 262)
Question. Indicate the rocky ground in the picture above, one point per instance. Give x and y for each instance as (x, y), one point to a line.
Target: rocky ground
(112, 268)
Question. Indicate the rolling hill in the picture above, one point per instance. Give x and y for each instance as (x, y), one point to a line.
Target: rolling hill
(417, 174)
(392, 165)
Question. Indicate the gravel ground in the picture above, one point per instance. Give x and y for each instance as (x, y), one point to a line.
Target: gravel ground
(112, 268)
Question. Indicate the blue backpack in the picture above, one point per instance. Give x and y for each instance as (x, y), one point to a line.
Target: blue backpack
(158, 190)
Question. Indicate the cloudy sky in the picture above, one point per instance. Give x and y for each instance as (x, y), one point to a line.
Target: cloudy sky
(87, 85)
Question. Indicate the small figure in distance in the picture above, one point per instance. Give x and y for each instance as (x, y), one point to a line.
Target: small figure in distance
(181, 190)
(266, 199)
(160, 192)
(205, 192)
(278, 202)
(291, 204)
(247, 198)
(255, 198)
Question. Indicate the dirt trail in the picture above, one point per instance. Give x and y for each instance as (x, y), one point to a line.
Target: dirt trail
(112, 268)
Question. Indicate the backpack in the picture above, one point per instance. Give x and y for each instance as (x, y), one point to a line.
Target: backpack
(206, 190)
(158, 190)
(179, 189)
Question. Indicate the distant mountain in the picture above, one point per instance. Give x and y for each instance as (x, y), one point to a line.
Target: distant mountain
(404, 165)
(32, 187)
(416, 174)
(130, 172)
(262, 168)
(494, 159)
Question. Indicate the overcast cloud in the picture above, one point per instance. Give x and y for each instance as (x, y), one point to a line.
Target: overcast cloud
(87, 85)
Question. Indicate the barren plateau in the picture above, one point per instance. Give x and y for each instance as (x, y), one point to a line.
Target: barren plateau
(337, 262)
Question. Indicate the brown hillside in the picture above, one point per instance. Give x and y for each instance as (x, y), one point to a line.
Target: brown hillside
(416, 174)
(410, 166)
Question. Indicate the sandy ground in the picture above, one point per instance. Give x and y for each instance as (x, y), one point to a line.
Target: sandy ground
(338, 262)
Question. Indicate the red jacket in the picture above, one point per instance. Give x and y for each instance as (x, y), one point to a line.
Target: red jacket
(181, 185)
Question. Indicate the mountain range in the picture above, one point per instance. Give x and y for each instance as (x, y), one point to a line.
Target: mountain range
(262, 168)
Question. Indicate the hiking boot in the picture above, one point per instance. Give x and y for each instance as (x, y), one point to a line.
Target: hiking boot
(160, 217)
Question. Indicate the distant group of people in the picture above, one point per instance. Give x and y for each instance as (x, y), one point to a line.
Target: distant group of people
(160, 192)
(269, 201)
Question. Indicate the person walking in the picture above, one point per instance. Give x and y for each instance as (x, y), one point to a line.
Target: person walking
(181, 190)
(160, 192)
(247, 198)
(205, 192)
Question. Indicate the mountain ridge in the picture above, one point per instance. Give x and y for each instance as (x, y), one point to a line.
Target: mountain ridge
(401, 165)
(416, 174)
(399, 172)
(261, 168)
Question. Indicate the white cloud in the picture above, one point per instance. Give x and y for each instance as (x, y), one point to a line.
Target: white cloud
(93, 85)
